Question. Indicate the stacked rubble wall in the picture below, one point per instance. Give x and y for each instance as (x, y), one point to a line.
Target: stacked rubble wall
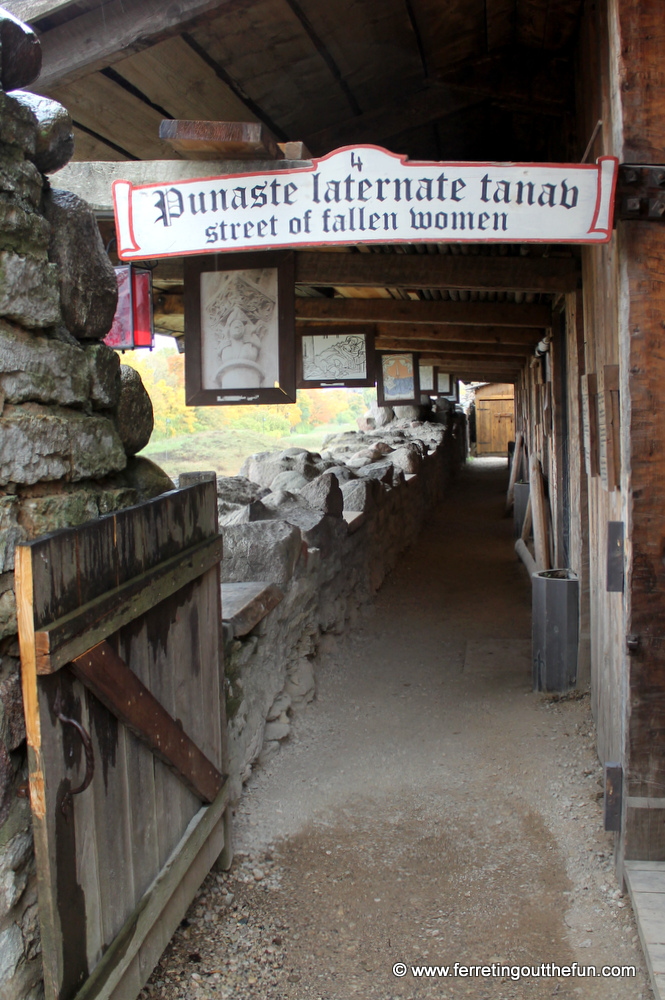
(326, 529)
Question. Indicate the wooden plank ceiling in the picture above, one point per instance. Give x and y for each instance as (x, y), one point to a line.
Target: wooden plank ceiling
(464, 79)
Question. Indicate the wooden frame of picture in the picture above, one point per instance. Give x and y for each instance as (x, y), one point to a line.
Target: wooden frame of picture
(444, 383)
(428, 384)
(338, 358)
(389, 373)
(240, 329)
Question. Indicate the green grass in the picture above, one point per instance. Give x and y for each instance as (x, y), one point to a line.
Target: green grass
(225, 451)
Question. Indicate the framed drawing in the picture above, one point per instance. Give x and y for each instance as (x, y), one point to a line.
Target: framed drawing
(335, 359)
(240, 329)
(428, 379)
(444, 383)
(397, 379)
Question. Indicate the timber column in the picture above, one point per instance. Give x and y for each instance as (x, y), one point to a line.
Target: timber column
(637, 55)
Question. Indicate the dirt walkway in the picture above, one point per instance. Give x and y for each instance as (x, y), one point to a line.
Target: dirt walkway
(429, 809)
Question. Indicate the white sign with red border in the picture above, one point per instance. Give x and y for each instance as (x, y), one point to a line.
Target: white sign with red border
(365, 194)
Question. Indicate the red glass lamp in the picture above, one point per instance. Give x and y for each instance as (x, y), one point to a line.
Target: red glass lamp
(133, 323)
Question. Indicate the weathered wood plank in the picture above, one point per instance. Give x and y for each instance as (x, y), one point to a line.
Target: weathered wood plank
(539, 514)
(175, 78)
(496, 351)
(246, 604)
(474, 272)
(104, 35)
(399, 311)
(213, 140)
(105, 978)
(428, 105)
(110, 111)
(111, 681)
(72, 634)
(499, 335)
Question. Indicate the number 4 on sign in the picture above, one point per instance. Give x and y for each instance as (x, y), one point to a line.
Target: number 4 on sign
(356, 162)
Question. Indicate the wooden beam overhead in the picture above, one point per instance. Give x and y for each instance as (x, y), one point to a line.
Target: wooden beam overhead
(104, 35)
(454, 347)
(523, 336)
(473, 272)
(401, 311)
(426, 106)
(31, 10)
(455, 361)
(202, 140)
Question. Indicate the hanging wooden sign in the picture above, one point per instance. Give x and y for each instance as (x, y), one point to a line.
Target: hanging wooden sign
(365, 194)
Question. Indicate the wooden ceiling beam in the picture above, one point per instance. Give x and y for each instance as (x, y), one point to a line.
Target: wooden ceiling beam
(456, 347)
(106, 34)
(473, 272)
(409, 311)
(428, 105)
(528, 337)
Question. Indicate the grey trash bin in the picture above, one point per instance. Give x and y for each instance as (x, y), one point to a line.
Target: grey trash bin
(555, 629)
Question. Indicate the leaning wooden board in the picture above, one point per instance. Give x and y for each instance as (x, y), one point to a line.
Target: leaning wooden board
(120, 633)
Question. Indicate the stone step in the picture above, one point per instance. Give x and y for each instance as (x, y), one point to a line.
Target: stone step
(245, 604)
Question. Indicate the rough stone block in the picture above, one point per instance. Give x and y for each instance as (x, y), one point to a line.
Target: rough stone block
(22, 229)
(20, 178)
(104, 368)
(36, 368)
(324, 494)
(12, 721)
(18, 125)
(8, 626)
(361, 494)
(133, 415)
(288, 480)
(54, 143)
(29, 292)
(88, 287)
(407, 458)
(45, 443)
(261, 550)
(11, 533)
(146, 478)
(11, 951)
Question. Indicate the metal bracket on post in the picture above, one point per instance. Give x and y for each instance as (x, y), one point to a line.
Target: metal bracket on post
(640, 193)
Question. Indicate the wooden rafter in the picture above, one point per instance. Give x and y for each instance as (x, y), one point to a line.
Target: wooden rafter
(104, 35)
(426, 106)
(454, 347)
(396, 311)
(476, 272)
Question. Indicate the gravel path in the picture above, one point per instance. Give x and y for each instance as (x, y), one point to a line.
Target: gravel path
(428, 809)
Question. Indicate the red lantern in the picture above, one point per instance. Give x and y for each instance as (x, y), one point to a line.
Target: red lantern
(132, 323)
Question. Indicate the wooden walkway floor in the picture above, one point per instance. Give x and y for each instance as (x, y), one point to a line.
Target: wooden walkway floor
(646, 885)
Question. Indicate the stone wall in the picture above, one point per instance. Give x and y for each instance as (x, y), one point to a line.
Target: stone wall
(326, 529)
(68, 434)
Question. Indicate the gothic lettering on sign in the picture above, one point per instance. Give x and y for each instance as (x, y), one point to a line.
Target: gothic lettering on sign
(368, 195)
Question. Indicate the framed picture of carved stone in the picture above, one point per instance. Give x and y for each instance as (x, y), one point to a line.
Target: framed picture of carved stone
(397, 381)
(428, 379)
(240, 329)
(343, 359)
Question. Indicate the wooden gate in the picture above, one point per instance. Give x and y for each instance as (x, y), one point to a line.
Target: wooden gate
(120, 634)
(495, 419)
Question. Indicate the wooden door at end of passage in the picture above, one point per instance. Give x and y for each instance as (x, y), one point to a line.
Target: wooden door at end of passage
(120, 634)
(495, 426)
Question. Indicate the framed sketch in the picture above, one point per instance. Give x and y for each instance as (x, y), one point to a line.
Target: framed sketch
(397, 379)
(240, 329)
(343, 359)
(428, 380)
(444, 383)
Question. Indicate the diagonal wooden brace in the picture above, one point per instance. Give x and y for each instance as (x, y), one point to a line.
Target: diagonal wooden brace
(109, 678)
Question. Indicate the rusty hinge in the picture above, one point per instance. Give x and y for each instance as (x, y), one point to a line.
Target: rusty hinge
(640, 193)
